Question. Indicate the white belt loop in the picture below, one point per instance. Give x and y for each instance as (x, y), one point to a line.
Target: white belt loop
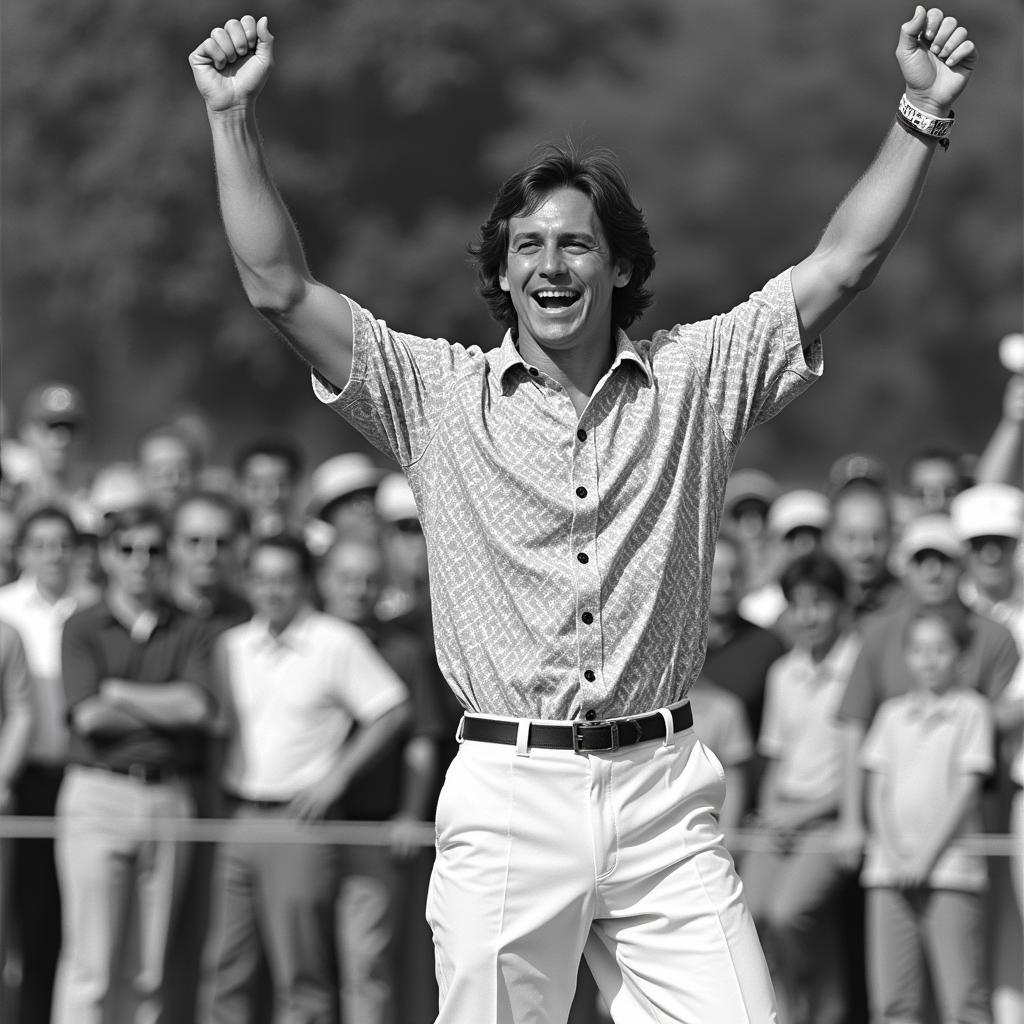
(523, 738)
(460, 730)
(670, 727)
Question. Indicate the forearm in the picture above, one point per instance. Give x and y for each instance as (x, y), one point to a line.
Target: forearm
(166, 705)
(15, 736)
(260, 232)
(419, 761)
(371, 742)
(96, 716)
(736, 791)
(1000, 462)
(851, 810)
(962, 799)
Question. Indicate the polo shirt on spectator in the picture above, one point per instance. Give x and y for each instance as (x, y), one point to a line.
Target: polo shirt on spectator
(41, 623)
(799, 729)
(881, 671)
(292, 699)
(922, 743)
(571, 554)
(97, 646)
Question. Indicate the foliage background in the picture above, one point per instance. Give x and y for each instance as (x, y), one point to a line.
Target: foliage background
(389, 123)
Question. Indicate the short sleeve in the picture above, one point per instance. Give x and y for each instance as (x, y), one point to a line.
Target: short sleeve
(976, 748)
(874, 752)
(80, 665)
(752, 359)
(398, 387)
(365, 683)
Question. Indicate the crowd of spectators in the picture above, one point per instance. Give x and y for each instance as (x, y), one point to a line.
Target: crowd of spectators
(252, 643)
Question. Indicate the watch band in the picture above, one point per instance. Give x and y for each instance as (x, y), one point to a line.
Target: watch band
(925, 124)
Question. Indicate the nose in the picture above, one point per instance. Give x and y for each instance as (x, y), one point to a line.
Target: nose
(552, 263)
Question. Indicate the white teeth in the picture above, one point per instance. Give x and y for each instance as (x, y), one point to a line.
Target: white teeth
(556, 294)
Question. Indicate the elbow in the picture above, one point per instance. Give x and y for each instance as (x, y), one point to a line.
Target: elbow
(274, 296)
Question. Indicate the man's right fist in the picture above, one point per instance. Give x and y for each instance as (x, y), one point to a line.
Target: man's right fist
(232, 63)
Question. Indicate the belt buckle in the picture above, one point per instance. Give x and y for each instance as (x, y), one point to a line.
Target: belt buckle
(577, 735)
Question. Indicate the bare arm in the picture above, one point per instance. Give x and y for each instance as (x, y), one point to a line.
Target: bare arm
(936, 58)
(230, 68)
(419, 771)
(1000, 462)
(850, 835)
(167, 705)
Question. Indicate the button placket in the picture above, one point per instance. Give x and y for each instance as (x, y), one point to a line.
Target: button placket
(584, 551)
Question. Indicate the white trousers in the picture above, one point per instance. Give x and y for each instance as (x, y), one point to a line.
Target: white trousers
(544, 855)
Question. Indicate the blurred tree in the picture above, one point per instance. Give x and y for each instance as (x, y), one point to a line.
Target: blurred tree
(389, 124)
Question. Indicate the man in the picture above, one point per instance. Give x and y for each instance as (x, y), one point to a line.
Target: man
(268, 471)
(38, 604)
(135, 675)
(293, 683)
(168, 462)
(399, 789)
(343, 490)
(570, 484)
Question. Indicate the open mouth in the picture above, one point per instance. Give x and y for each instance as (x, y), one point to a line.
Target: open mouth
(556, 298)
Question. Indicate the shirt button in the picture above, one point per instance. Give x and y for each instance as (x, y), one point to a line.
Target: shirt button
(590, 715)
(581, 434)
(582, 558)
(581, 492)
(589, 675)
(587, 618)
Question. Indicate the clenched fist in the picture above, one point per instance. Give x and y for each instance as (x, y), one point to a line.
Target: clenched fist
(936, 57)
(231, 65)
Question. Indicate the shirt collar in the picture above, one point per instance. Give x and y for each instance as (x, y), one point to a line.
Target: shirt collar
(837, 664)
(625, 351)
(294, 636)
(932, 705)
(29, 592)
(140, 627)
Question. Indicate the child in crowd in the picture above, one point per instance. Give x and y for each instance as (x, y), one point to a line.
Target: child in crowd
(791, 883)
(927, 754)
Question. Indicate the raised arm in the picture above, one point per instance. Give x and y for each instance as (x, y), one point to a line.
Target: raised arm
(231, 67)
(936, 58)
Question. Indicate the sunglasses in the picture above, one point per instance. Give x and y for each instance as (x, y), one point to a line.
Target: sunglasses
(219, 541)
(149, 550)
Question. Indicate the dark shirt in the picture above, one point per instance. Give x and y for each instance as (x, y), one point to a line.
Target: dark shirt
(224, 610)
(741, 664)
(376, 796)
(97, 646)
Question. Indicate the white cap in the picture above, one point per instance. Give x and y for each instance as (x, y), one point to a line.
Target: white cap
(339, 476)
(116, 487)
(930, 533)
(395, 499)
(988, 510)
(799, 509)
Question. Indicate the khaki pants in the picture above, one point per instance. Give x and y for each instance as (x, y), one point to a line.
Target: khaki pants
(105, 869)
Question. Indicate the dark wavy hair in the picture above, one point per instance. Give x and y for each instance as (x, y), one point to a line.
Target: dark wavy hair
(598, 176)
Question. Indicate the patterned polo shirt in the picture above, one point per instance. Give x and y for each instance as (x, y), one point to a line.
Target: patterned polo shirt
(570, 556)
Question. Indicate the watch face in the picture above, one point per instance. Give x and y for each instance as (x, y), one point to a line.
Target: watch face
(1011, 353)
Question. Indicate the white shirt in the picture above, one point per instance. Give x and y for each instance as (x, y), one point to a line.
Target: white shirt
(799, 728)
(41, 625)
(292, 700)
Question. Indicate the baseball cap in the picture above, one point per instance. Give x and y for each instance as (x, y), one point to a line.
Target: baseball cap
(988, 510)
(395, 499)
(799, 509)
(53, 402)
(857, 467)
(748, 485)
(930, 533)
(339, 476)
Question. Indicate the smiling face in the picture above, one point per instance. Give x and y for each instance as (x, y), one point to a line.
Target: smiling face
(560, 274)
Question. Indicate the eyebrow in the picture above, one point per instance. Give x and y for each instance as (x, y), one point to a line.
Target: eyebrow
(567, 236)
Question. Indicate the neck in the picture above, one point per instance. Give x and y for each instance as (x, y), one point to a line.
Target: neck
(132, 605)
(50, 594)
(188, 594)
(577, 369)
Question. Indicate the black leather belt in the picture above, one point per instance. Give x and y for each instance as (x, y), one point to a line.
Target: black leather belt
(150, 774)
(580, 736)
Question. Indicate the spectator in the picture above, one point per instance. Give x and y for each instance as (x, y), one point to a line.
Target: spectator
(206, 529)
(791, 886)
(749, 495)
(52, 420)
(860, 539)
(405, 550)
(720, 721)
(796, 525)
(343, 490)
(739, 652)
(927, 753)
(135, 673)
(399, 789)
(38, 605)
(15, 734)
(8, 535)
(856, 470)
(931, 554)
(268, 472)
(168, 462)
(294, 681)
(932, 478)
